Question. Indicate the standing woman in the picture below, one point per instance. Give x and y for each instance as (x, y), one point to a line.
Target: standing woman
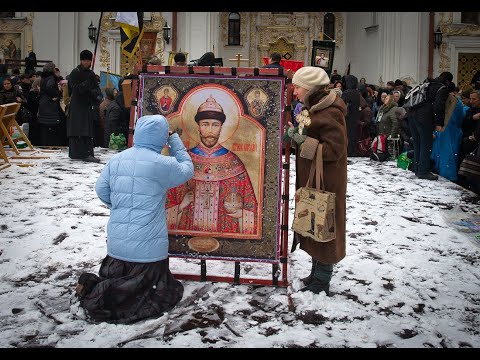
(324, 119)
(51, 118)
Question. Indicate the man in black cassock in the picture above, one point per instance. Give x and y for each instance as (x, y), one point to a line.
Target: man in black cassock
(82, 86)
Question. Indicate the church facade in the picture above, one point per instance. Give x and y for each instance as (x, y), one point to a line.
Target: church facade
(378, 46)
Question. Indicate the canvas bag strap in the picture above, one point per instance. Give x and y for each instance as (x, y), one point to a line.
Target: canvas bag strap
(319, 175)
(312, 170)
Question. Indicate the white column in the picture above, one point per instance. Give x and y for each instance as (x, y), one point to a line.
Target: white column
(67, 47)
(404, 45)
(197, 30)
(45, 37)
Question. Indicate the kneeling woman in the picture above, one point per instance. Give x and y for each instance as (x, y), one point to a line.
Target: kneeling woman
(134, 279)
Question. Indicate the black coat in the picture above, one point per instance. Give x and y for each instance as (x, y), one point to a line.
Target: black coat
(116, 118)
(437, 94)
(404, 130)
(82, 86)
(49, 109)
(351, 96)
(33, 99)
(9, 96)
(432, 111)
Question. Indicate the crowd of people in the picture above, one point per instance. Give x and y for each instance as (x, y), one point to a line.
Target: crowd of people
(341, 113)
(69, 112)
(436, 135)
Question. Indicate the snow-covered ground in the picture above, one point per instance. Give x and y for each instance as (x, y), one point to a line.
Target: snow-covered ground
(410, 278)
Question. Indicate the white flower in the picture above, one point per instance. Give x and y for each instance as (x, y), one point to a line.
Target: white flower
(303, 120)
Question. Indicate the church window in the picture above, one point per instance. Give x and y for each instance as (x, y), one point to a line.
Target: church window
(234, 29)
(329, 26)
(471, 18)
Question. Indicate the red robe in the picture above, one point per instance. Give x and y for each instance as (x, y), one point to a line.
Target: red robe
(220, 177)
(165, 102)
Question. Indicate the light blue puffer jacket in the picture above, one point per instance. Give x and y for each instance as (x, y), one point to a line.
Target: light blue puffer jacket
(134, 184)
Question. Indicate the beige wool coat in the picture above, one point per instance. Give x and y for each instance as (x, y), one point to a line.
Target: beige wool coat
(328, 125)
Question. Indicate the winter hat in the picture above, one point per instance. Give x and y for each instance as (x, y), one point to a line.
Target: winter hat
(309, 76)
(49, 67)
(398, 82)
(86, 55)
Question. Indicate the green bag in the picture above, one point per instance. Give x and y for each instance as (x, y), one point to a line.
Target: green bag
(403, 161)
(117, 142)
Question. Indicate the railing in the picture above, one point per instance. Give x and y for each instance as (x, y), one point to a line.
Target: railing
(17, 63)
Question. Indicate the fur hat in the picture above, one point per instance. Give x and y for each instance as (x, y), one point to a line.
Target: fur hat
(86, 55)
(308, 77)
(49, 67)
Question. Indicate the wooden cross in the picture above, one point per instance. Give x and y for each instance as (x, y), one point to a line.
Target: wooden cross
(238, 59)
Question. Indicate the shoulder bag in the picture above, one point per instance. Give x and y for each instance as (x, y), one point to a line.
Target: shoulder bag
(314, 207)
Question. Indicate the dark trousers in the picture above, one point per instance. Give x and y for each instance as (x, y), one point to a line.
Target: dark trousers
(421, 128)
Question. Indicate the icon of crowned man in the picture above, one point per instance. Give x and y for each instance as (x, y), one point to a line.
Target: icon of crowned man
(220, 197)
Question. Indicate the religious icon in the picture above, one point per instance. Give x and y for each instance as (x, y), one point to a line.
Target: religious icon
(256, 100)
(165, 100)
(10, 45)
(220, 198)
(320, 59)
(322, 54)
(166, 97)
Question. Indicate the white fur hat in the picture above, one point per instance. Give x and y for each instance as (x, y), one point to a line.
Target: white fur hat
(309, 76)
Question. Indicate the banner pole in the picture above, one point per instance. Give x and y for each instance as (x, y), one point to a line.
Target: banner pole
(96, 40)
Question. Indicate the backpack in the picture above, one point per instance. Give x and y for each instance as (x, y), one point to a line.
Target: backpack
(379, 149)
(416, 96)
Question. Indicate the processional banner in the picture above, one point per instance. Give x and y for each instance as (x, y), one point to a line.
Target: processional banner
(323, 52)
(232, 128)
(109, 80)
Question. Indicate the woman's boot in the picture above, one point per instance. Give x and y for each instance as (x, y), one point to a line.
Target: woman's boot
(307, 280)
(322, 275)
